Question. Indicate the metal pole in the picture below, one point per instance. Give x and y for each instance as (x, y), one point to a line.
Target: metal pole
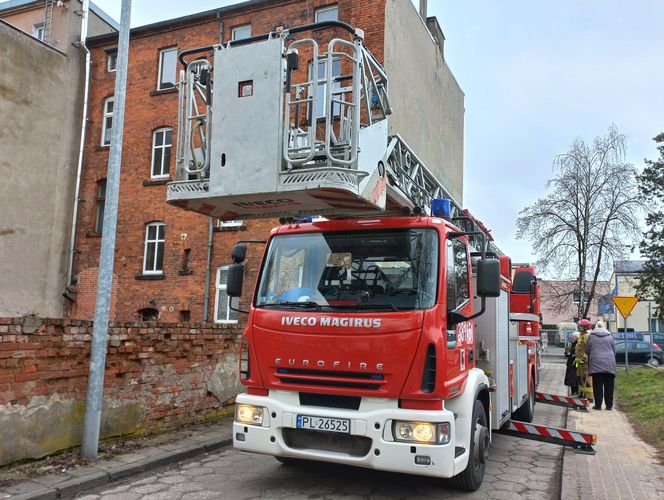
(626, 347)
(93, 403)
(650, 332)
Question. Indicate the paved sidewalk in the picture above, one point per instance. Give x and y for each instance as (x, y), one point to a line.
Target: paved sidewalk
(623, 468)
(202, 439)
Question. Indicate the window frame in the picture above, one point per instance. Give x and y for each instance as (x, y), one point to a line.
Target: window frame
(111, 54)
(100, 205)
(163, 147)
(328, 8)
(105, 116)
(336, 107)
(230, 223)
(237, 29)
(451, 270)
(37, 30)
(222, 288)
(156, 241)
(160, 87)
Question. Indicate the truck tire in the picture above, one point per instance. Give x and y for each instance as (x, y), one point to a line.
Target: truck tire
(471, 478)
(526, 411)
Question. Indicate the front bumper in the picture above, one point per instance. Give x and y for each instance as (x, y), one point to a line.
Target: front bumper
(370, 443)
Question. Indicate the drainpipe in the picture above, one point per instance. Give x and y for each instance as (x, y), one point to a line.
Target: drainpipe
(84, 122)
(208, 271)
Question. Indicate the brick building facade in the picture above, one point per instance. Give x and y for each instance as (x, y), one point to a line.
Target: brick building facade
(161, 258)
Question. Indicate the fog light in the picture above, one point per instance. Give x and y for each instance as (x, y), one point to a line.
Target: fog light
(249, 414)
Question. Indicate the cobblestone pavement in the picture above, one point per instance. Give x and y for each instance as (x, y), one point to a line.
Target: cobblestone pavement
(517, 468)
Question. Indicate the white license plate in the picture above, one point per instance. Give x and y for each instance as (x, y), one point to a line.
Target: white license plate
(326, 424)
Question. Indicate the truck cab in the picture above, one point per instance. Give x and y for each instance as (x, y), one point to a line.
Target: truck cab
(362, 329)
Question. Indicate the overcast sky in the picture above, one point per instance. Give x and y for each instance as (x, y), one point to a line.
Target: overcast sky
(536, 74)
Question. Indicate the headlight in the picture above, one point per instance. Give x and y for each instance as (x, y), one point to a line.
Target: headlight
(421, 432)
(249, 414)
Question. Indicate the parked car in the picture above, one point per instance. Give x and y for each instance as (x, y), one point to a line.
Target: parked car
(639, 352)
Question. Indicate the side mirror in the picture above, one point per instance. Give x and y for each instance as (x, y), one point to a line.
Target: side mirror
(238, 254)
(234, 280)
(488, 278)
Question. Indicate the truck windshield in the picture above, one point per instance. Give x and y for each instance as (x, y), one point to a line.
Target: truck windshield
(375, 270)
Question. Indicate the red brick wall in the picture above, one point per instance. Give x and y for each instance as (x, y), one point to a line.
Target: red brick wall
(140, 204)
(164, 366)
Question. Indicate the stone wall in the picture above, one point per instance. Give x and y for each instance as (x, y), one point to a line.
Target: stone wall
(158, 375)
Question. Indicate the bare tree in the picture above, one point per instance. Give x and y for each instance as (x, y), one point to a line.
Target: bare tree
(589, 217)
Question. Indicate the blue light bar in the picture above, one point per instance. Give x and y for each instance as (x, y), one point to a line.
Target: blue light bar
(441, 207)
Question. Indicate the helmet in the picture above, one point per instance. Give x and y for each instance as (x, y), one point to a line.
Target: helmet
(584, 323)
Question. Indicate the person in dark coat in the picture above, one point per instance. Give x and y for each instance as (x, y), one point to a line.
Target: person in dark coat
(571, 378)
(601, 351)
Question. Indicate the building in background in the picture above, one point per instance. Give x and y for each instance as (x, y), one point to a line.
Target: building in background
(560, 301)
(165, 256)
(42, 71)
(625, 277)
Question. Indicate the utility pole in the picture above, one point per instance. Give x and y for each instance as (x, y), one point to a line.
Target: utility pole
(95, 397)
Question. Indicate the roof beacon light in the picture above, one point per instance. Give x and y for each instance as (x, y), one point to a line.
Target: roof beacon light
(441, 207)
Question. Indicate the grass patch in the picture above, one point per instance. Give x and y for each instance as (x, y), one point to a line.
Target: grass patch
(640, 394)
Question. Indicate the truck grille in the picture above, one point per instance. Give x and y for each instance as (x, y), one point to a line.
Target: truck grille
(330, 401)
(321, 378)
(303, 439)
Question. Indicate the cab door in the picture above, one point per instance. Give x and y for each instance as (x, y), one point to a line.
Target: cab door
(460, 334)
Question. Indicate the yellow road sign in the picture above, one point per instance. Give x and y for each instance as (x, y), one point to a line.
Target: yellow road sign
(625, 304)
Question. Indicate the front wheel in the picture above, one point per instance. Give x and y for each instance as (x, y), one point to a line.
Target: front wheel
(471, 478)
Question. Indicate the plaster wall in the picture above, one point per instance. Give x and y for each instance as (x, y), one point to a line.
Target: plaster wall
(427, 100)
(40, 89)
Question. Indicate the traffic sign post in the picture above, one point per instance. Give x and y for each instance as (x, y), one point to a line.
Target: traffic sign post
(625, 305)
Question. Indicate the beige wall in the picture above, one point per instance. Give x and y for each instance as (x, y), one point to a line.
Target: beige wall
(638, 319)
(428, 102)
(40, 102)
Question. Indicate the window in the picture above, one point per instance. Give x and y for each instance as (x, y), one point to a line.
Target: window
(458, 290)
(321, 90)
(111, 60)
(38, 31)
(107, 123)
(330, 13)
(185, 316)
(222, 312)
(148, 314)
(153, 257)
(167, 68)
(348, 271)
(229, 223)
(241, 32)
(657, 325)
(577, 295)
(101, 202)
(161, 152)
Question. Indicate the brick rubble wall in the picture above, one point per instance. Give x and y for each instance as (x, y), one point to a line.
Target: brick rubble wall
(158, 375)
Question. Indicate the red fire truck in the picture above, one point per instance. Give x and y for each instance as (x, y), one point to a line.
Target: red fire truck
(392, 334)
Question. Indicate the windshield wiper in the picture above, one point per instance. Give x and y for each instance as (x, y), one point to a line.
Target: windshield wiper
(308, 304)
(362, 305)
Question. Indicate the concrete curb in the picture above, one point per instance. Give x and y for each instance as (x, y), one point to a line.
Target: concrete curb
(99, 474)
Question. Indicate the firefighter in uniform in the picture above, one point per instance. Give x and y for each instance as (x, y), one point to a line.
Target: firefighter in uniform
(581, 361)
